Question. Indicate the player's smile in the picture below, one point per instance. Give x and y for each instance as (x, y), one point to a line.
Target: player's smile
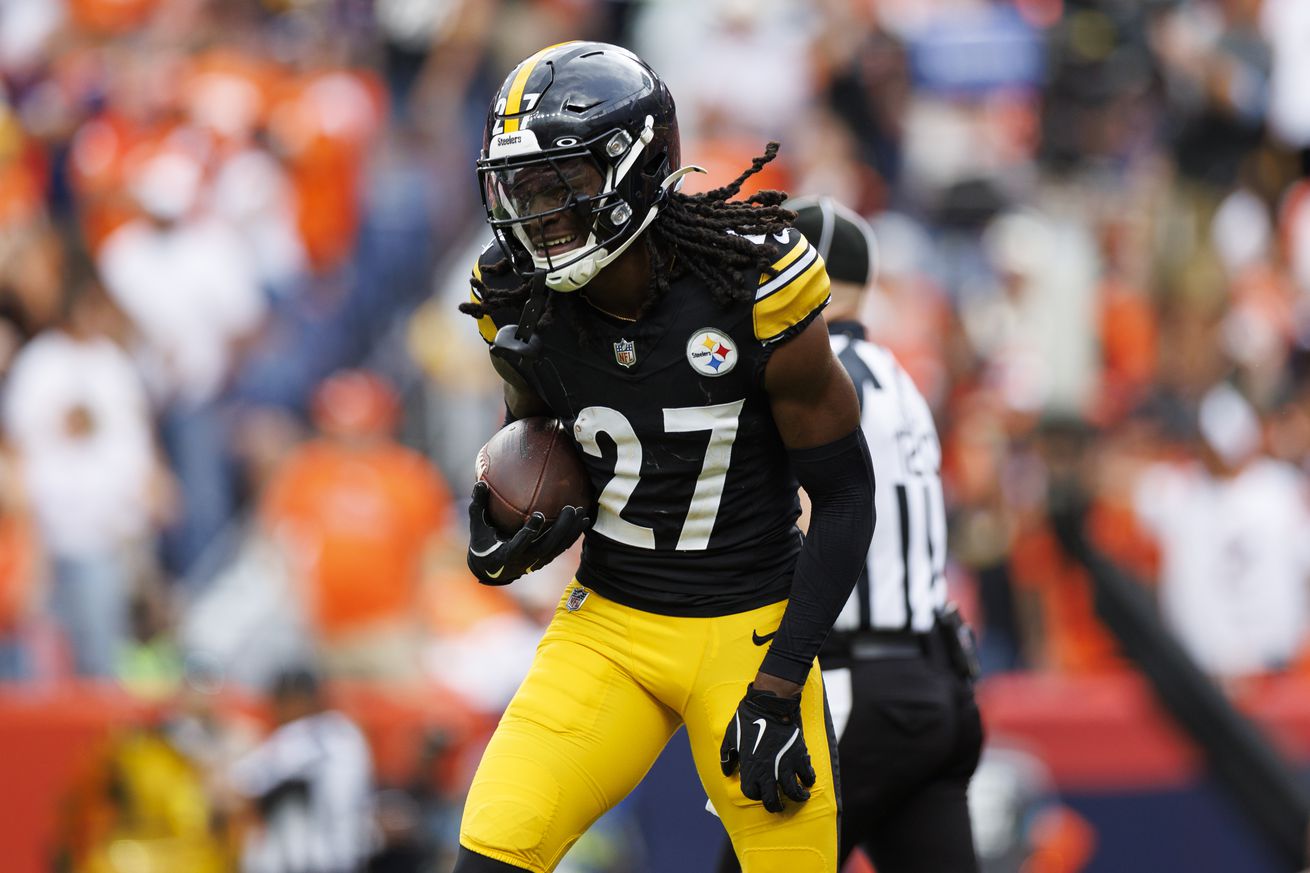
(552, 200)
(556, 234)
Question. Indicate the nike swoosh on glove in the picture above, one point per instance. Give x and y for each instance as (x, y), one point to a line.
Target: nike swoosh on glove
(764, 738)
(499, 562)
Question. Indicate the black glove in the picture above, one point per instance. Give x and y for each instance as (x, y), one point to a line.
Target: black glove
(499, 562)
(517, 347)
(765, 737)
(514, 358)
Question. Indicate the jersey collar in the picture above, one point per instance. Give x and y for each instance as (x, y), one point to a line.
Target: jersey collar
(852, 329)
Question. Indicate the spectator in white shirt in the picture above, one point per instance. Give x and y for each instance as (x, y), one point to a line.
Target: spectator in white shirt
(1234, 534)
(77, 414)
(1286, 27)
(189, 284)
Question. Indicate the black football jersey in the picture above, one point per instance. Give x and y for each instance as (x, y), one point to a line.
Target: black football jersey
(696, 500)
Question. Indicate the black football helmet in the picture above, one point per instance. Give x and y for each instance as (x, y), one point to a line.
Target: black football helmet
(580, 148)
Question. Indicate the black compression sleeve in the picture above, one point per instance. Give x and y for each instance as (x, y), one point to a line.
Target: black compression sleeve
(838, 477)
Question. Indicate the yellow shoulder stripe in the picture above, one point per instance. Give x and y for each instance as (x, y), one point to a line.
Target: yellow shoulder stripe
(786, 260)
(791, 297)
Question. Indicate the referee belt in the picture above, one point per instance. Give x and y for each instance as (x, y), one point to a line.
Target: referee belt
(874, 645)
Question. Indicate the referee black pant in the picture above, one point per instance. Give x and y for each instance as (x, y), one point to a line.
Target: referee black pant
(906, 754)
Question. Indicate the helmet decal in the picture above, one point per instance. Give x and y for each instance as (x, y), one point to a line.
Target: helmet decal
(509, 144)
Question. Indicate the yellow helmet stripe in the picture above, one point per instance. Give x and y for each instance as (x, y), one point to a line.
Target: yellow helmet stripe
(514, 100)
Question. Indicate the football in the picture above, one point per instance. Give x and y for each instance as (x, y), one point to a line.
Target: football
(532, 466)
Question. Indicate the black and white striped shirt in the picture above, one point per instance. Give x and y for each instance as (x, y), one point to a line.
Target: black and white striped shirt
(313, 780)
(904, 582)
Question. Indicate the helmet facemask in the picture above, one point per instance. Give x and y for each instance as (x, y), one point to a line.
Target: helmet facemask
(569, 210)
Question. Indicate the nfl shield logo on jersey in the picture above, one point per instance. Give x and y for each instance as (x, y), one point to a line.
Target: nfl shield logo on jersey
(625, 352)
(576, 596)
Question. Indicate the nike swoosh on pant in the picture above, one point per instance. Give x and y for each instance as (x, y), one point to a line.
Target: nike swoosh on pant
(761, 640)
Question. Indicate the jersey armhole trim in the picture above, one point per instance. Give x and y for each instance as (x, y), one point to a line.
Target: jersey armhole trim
(486, 327)
(770, 345)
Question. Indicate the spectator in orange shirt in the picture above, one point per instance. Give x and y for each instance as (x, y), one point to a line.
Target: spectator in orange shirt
(1056, 601)
(1127, 330)
(1062, 631)
(322, 125)
(356, 513)
(18, 573)
(111, 16)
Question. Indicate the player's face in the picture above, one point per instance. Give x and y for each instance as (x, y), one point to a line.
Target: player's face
(552, 198)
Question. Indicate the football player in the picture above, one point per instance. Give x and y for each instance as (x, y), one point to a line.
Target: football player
(679, 339)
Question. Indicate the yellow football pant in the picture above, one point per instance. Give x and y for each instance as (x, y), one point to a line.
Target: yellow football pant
(607, 689)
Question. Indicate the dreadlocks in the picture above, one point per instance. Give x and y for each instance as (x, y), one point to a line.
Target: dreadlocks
(701, 233)
(706, 232)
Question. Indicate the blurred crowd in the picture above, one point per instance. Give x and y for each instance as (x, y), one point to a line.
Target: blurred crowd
(239, 408)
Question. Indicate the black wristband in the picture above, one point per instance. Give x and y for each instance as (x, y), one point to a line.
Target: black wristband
(785, 709)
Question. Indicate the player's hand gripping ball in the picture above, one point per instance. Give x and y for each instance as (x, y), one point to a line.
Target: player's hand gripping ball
(532, 500)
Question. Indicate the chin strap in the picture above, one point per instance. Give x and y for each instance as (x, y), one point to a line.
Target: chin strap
(582, 271)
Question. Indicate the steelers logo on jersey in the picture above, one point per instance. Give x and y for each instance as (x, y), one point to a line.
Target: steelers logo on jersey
(711, 352)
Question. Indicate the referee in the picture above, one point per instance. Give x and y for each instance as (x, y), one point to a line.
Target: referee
(898, 666)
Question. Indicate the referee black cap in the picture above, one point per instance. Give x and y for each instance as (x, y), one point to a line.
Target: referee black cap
(843, 238)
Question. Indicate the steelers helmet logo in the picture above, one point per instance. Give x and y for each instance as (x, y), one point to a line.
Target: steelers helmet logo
(711, 352)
